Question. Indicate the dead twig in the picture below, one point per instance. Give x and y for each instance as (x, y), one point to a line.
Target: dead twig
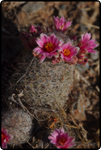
(47, 145)
(62, 118)
(30, 145)
(20, 103)
(97, 88)
(91, 25)
(70, 126)
(82, 78)
(12, 99)
(26, 71)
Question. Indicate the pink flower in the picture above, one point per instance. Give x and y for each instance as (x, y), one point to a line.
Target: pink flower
(35, 30)
(68, 52)
(81, 58)
(61, 139)
(87, 43)
(73, 37)
(82, 61)
(5, 137)
(29, 41)
(47, 46)
(62, 24)
(55, 60)
(32, 29)
(74, 61)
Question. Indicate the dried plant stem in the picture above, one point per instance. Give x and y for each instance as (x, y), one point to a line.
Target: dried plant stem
(21, 104)
(97, 88)
(91, 25)
(70, 126)
(47, 145)
(30, 145)
(62, 118)
(26, 70)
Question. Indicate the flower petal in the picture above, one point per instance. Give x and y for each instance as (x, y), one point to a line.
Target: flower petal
(37, 49)
(4, 145)
(43, 37)
(91, 51)
(39, 42)
(42, 58)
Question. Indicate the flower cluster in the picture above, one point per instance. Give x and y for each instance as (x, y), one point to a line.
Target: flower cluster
(29, 38)
(61, 139)
(56, 44)
(5, 137)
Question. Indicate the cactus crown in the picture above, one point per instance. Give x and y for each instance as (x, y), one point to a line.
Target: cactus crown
(57, 43)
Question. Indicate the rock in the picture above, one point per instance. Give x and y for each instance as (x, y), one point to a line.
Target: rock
(94, 56)
(63, 6)
(29, 11)
(82, 68)
(31, 7)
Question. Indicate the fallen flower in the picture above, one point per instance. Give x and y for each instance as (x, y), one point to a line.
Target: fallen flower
(61, 139)
(5, 137)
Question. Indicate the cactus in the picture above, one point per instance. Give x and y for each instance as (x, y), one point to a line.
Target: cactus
(48, 81)
(18, 124)
(47, 84)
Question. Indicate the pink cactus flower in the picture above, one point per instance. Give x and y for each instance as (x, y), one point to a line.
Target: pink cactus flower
(62, 24)
(56, 60)
(74, 61)
(47, 46)
(61, 139)
(32, 29)
(87, 44)
(5, 137)
(68, 52)
(82, 61)
(81, 58)
(35, 30)
(29, 41)
(73, 37)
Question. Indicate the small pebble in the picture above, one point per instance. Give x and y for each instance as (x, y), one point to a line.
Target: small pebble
(62, 7)
(82, 68)
(31, 7)
(94, 56)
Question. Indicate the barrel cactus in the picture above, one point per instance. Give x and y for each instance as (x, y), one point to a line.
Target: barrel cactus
(18, 124)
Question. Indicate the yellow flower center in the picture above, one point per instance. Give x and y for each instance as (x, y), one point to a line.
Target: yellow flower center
(62, 141)
(66, 52)
(61, 27)
(49, 47)
(2, 136)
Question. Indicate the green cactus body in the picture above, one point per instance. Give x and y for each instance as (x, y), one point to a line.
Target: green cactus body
(19, 124)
